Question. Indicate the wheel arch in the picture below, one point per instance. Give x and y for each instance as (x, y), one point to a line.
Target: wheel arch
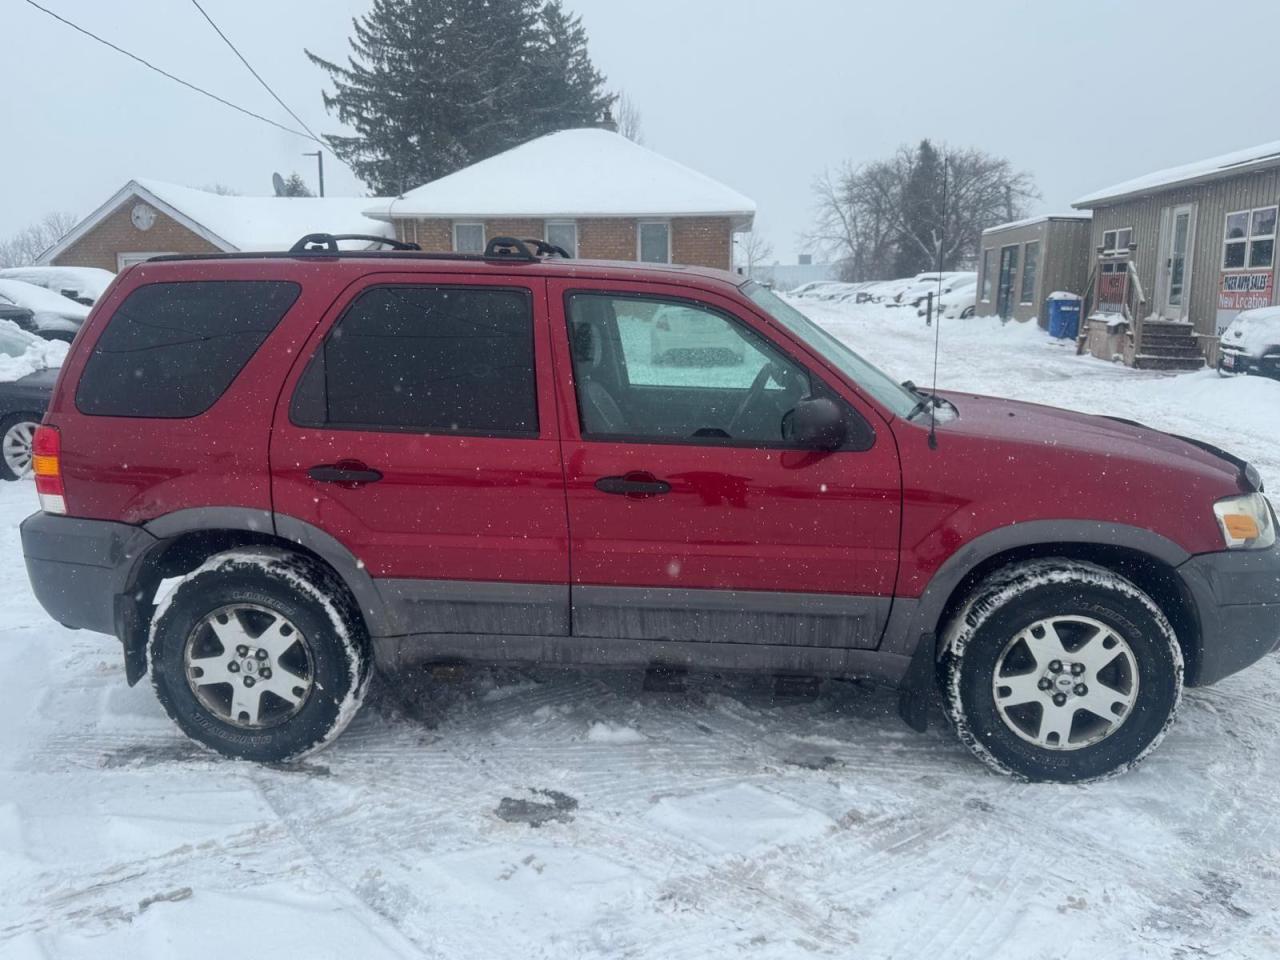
(1145, 558)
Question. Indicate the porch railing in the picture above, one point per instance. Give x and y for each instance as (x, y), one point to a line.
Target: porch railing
(1135, 306)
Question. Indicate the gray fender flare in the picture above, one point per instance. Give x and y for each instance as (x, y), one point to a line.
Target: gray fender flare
(910, 618)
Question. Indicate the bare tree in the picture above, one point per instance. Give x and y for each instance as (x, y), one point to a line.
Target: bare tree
(754, 251)
(869, 214)
(25, 246)
(629, 122)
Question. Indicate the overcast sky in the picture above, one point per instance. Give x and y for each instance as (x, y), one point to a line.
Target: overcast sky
(762, 94)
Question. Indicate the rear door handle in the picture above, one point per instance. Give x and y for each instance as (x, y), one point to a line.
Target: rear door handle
(637, 483)
(351, 473)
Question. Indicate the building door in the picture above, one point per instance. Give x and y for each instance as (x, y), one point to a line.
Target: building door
(1008, 276)
(1174, 288)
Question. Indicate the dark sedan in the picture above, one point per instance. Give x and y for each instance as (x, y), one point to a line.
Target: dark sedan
(22, 405)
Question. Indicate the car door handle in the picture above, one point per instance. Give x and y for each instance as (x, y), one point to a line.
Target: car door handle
(351, 473)
(637, 483)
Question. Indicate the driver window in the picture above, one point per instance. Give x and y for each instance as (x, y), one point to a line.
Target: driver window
(673, 371)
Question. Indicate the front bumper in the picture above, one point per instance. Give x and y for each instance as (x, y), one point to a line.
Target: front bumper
(1237, 361)
(1237, 600)
(78, 567)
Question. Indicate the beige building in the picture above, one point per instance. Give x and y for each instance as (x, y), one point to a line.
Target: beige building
(1021, 263)
(1183, 251)
(592, 192)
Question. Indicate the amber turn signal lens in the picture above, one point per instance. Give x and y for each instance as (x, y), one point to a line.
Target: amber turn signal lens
(1241, 527)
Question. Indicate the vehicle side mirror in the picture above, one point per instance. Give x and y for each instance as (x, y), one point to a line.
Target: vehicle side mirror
(815, 424)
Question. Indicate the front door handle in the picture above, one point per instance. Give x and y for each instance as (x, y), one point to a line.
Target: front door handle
(637, 483)
(349, 473)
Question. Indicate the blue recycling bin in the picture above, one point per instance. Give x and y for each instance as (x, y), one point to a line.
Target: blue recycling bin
(1064, 316)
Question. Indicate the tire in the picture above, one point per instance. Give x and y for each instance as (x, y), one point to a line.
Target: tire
(16, 433)
(966, 313)
(314, 683)
(1097, 616)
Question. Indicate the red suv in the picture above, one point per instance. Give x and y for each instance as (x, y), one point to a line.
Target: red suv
(393, 457)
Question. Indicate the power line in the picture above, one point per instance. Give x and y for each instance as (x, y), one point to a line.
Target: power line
(165, 73)
(256, 75)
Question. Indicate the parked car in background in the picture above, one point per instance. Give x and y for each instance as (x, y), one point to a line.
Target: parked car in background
(53, 316)
(320, 488)
(22, 400)
(681, 335)
(925, 284)
(16, 314)
(1251, 344)
(956, 303)
(81, 284)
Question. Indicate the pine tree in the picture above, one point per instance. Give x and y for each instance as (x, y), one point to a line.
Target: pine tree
(921, 212)
(434, 85)
(295, 186)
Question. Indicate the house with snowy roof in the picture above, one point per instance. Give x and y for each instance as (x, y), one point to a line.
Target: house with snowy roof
(147, 218)
(592, 192)
(1178, 253)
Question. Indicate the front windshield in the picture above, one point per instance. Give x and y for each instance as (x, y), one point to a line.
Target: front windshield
(867, 376)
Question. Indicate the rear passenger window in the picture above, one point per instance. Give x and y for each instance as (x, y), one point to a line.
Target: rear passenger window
(172, 349)
(429, 359)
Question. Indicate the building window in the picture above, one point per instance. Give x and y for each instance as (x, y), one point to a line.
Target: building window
(468, 238)
(1030, 266)
(1117, 241)
(986, 276)
(1249, 240)
(564, 234)
(655, 242)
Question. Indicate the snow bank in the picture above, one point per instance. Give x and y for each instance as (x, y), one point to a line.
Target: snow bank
(23, 353)
(607, 733)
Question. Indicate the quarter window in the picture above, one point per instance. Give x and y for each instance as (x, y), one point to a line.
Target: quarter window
(563, 234)
(655, 242)
(468, 238)
(430, 359)
(172, 349)
(1249, 240)
(1030, 266)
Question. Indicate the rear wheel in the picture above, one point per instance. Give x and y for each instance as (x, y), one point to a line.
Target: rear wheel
(260, 655)
(17, 433)
(1062, 671)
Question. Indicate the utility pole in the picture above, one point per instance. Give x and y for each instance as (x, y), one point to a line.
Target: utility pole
(320, 161)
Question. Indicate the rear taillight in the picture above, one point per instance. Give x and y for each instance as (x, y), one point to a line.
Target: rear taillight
(46, 464)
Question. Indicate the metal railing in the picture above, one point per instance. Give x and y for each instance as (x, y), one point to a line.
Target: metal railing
(1135, 306)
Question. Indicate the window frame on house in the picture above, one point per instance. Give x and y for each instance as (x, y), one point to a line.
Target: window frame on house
(1247, 241)
(1026, 296)
(985, 280)
(640, 225)
(484, 237)
(128, 258)
(1114, 246)
(572, 249)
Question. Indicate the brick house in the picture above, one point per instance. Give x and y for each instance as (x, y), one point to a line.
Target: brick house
(591, 191)
(146, 218)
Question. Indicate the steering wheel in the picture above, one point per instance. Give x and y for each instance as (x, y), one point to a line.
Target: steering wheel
(767, 372)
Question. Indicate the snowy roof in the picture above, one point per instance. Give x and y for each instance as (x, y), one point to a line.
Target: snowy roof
(1226, 165)
(573, 173)
(1028, 221)
(236, 223)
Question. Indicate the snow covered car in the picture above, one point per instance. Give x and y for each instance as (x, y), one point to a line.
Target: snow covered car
(918, 291)
(680, 335)
(1251, 344)
(956, 304)
(84, 285)
(28, 370)
(53, 316)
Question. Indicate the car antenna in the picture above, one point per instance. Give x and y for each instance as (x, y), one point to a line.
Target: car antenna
(937, 320)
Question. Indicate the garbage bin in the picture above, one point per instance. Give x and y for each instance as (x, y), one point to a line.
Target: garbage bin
(1064, 315)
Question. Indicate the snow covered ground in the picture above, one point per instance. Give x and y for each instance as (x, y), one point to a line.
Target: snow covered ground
(570, 815)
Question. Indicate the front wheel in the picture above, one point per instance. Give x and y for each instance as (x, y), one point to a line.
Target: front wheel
(260, 655)
(1058, 670)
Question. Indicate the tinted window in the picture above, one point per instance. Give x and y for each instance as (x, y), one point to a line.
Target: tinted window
(430, 359)
(172, 349)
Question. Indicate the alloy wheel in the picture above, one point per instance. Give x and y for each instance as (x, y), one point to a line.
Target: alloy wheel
(16, 447)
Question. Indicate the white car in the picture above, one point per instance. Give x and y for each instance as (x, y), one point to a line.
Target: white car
(927, 283)
(53, 316)
(681, 335)
(81, 284)
(957, 303)
(1251, 343)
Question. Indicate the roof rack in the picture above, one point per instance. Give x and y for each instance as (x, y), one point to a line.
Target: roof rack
(328, 242)
(506, 248)
(499, 249)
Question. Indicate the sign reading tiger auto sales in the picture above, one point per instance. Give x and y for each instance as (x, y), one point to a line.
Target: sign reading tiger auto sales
(1243, 290)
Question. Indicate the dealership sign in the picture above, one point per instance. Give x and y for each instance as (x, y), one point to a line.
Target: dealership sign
(1243, 290)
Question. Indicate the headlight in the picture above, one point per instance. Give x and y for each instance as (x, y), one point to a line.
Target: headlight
(1247, 522)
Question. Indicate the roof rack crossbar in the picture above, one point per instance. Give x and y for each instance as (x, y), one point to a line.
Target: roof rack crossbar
(328, 242)
(508, 248)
